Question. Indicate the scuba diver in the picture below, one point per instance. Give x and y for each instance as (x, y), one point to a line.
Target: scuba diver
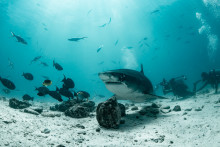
(212, 78)
(177, 86)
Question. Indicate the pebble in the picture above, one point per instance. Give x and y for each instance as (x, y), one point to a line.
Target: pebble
(134, 108)
(177, 108)
(190, 109)
(198, 109)
(31, 111)
(165, 107)
(82, 132)
(98, 130)
(184, 113)
(45, 131)
(80, 126)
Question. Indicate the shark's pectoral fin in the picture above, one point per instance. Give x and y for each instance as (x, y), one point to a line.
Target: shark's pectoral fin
(152, 96)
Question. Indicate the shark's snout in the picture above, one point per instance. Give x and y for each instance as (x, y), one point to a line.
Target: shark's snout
(108, 77)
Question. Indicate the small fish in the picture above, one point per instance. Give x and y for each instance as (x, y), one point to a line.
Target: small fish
(103, 25)
(44, 64)
(27, 97)
(19, 39)
(100, 47)
(47, 82)
(116, 42)
(77, 39)
(35, 59)
(6, 91)
(45, 29)
(44, 24)
(28, 76)
(155, 11)
(80, 95)
(57, 66)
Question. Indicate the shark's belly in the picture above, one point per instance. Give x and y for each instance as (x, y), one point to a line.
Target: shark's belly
(124, 93)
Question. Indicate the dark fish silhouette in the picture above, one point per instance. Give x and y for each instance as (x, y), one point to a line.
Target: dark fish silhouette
(68, 83)
(19, 39)
(57, 66)
(80, 95)
(42, 91)
(155, 11)
(101, 46)
(77, 39)
(7, 83)
(103, 25)
(106, 23)
(44, 64)
(55, 95)
(28, 76)
(35, 59)
(27, 97)
(65, 92)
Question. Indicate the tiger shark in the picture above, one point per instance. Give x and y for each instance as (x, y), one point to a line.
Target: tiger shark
(129, 84)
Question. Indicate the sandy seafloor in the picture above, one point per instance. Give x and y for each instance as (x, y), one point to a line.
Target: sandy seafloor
(196, 128)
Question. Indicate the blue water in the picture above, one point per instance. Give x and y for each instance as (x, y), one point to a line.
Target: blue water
(181, 38)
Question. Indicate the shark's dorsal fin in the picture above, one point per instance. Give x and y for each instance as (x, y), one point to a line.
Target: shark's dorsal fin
(142, 69)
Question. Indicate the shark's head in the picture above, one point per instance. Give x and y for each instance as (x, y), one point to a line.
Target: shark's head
(111, 77)
(126, 84)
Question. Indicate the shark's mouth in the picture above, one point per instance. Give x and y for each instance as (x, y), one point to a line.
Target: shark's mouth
(113, 83)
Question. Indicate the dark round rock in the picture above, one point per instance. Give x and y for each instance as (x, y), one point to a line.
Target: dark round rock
(108, 113)
(134, 108)
(154, 105)
(90, 105)
(177, 108)
(77, 112)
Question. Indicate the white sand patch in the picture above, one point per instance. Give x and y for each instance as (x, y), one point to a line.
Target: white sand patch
(196, 128)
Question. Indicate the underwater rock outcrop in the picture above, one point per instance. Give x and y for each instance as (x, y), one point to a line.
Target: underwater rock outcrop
(16, 104)
(77, 112)
(74, 109)
(108, 113)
